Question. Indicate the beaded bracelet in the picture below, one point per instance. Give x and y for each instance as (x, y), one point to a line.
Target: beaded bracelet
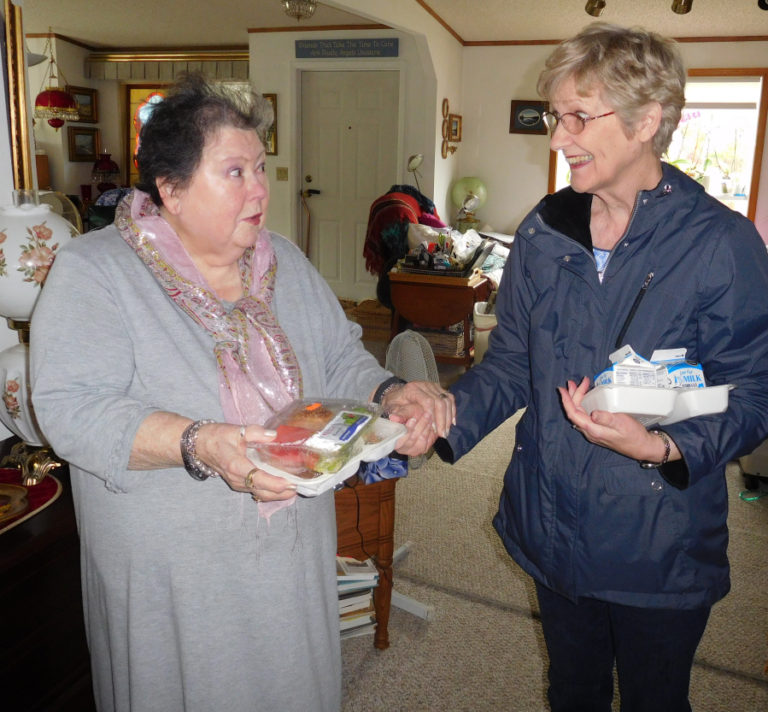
(196, 468)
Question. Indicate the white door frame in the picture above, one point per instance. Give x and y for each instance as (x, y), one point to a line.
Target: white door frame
(359, 65)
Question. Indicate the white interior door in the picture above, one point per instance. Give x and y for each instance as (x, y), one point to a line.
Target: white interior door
(349, 145)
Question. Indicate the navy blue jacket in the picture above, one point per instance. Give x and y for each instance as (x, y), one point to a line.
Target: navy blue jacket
(582, 519)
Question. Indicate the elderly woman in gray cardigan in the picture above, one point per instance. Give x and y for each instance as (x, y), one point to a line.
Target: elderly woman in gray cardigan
(160, 346)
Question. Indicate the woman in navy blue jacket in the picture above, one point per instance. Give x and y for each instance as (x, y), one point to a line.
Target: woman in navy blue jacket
(622, 528)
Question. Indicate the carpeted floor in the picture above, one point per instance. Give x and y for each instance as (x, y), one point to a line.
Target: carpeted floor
(483, 648)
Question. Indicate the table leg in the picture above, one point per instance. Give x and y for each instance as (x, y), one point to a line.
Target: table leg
(382, 594)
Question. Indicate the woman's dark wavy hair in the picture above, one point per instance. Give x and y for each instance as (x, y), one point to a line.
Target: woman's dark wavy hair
(172, 140)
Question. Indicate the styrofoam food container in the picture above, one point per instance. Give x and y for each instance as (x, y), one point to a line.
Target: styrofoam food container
(648, 405)
(691, 402)
(386, 432)
(653, 406)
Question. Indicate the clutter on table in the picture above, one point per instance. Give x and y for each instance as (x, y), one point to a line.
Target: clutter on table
(452, 253)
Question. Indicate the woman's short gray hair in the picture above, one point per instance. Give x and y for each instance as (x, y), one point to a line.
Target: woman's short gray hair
(629, 68)
(172, 140)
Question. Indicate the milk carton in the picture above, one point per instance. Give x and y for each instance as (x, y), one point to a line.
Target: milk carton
(680, 373)
(629, 369)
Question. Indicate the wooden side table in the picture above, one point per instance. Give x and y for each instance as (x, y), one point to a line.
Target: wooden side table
(437, 302)
(365, 525)
(44, 662)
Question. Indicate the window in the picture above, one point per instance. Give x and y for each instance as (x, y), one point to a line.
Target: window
(715, 140)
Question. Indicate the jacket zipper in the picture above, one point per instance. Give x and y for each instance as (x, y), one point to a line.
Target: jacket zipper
(633, 310)
(623, 237)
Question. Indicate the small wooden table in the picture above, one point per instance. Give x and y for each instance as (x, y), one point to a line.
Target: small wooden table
(437, 302)
(365, 525)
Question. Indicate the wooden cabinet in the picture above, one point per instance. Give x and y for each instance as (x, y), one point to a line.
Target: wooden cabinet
(44, 664)
(365, 525)
(437, 302)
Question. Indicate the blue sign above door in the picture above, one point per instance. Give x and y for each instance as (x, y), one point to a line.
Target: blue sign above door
(348, 48)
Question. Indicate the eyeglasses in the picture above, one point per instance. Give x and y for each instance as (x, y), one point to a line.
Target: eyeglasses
(573, 123)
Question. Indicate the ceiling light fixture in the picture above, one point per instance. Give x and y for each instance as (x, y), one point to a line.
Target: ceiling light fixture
(300, 9)
(681, 7)
(594, 7)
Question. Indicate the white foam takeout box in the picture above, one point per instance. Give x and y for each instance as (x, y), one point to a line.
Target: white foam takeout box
(658, 406)
(386, 433)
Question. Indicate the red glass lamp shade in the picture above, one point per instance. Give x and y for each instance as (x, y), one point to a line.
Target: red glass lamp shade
(105, 172)
(57, 106)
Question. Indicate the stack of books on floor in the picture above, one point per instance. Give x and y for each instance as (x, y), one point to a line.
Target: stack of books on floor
(356, 581)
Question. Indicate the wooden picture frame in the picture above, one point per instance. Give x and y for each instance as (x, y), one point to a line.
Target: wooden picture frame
(13, 50)
(87, 103)
(526, 116)
(84, 144)
(454, 128)
(270, 140)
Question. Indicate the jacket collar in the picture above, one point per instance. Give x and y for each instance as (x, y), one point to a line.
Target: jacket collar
(569, 212)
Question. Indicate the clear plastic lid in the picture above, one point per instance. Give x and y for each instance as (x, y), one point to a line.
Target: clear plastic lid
(317, 435)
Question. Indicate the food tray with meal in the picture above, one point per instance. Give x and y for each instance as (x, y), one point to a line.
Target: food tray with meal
(321, 443)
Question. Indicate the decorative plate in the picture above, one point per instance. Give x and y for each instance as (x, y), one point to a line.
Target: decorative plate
(13, 501)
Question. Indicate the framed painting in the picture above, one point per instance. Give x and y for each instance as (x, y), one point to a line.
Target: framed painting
(84, 144)
(526, 117)
(454, 128)
(87, 103)
(270, 142)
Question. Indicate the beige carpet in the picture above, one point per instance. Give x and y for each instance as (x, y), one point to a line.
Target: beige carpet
(483, 649)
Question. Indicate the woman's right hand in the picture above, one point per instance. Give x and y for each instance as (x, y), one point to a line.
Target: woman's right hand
(223, 447)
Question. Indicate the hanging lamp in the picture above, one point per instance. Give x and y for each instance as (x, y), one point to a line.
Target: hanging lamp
(53, 103)
(300, 9)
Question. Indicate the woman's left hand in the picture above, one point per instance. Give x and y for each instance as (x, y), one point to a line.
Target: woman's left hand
(224, 447)
(617, 431)
(426, 409)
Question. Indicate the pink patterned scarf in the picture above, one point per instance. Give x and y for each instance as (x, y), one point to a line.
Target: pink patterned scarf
(258, 369)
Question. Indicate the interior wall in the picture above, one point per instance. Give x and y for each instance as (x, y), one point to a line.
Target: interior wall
(514, 167)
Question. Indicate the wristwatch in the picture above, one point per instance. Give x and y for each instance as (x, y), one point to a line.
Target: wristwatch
(196, 468)
(645, 464)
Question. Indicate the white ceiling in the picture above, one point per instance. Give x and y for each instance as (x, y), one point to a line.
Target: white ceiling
(192, 24)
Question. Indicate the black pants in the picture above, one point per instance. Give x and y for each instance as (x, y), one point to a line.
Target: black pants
(653, 650)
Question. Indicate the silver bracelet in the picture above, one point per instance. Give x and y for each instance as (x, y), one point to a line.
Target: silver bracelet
(667, 449)
(196, 468)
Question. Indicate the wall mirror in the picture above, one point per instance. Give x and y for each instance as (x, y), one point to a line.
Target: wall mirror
(15, 81)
